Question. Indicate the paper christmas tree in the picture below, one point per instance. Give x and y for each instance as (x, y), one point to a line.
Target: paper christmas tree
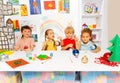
(115, 49)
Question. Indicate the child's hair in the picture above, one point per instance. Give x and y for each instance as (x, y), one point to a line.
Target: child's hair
(69, 29)
(25, 27)
(46, 33)
(89, 31)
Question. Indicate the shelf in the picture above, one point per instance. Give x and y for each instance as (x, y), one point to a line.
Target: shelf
(96, 29)
(91, 15)
(97, 40)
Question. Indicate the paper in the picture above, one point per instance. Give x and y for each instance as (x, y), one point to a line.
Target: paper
(17, 63)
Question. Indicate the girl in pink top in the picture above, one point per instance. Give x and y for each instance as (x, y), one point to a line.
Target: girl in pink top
(26, 42)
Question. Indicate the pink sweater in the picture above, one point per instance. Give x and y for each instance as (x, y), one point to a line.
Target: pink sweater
(25, 43)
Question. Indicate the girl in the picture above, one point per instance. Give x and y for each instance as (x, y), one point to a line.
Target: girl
(26, 42)
(87, 42)
(49, 43)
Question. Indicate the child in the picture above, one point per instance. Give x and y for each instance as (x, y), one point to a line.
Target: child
(26, 42)
(87, 42)
(49, 43)
(71, 41)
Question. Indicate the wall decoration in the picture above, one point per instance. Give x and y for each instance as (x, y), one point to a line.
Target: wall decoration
(35, 37)
(35, 7)
(7, 36)
(15, 10)
(14, 2)
(24, 10)
(30, 23)
(49, 5)
(53, 24)
(16, 25)
(64, 6)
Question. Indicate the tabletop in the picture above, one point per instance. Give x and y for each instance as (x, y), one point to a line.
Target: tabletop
(60, 61)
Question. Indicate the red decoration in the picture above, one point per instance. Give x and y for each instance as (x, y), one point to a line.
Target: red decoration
(106, 55)
(104, 60)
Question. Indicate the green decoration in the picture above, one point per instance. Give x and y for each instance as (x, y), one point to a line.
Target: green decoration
(115, 49)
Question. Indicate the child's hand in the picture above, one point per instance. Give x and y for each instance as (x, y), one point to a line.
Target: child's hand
(75, 38)
(16, 48)
(60, 38)
(70, 45)
(45, 43)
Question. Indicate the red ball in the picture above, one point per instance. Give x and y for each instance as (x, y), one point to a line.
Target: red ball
(106, 55)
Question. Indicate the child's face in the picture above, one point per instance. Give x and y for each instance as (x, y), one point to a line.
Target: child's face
(50, 34)
(26, 33)
(85, 37)
(69, 35)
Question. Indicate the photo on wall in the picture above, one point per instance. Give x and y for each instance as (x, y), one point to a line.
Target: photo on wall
(35, 7)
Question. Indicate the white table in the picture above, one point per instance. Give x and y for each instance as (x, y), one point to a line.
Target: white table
(61, 61)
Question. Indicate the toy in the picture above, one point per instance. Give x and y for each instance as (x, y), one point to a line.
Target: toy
(84, 25)
(84, 59)
(90, 8)
(115, 49)
(75, 52)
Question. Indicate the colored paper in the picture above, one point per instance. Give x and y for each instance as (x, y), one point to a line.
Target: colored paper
(16, 63)
(6, 52)
(115, 49)
(43, 57)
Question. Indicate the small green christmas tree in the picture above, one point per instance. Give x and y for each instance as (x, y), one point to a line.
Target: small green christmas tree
(115, 49)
